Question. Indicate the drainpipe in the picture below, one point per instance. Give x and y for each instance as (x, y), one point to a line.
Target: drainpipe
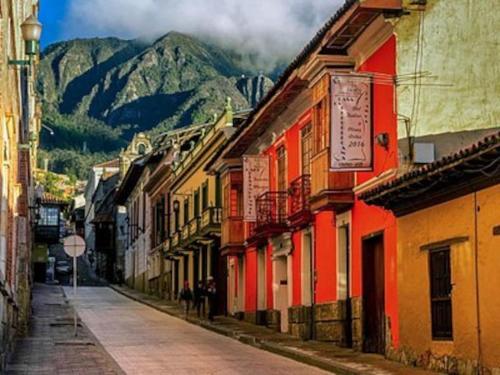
(476, 266)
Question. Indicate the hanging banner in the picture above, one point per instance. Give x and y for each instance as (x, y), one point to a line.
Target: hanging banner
(255, 182)
(351, 123)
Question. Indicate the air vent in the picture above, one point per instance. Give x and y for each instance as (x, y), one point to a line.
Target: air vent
(423, 153)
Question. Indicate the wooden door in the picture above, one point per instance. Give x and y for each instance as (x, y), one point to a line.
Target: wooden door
(373, 295)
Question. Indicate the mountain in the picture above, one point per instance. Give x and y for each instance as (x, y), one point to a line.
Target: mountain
(98, 92)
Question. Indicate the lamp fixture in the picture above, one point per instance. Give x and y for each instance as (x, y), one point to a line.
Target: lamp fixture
(32, 30)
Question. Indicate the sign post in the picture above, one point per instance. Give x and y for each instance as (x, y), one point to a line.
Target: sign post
(74, 246)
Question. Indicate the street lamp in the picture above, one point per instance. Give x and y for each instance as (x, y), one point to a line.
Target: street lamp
(32, 30)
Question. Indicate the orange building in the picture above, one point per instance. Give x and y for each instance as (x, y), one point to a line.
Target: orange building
(448, 220)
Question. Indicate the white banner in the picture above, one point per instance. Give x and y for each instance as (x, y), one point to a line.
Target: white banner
(351, 123)
(255, 182)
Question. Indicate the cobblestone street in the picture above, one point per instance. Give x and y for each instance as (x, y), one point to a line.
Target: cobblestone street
(145, 341)
(51, 348)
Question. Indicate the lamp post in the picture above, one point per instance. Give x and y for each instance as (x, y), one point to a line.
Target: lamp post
(32, 30)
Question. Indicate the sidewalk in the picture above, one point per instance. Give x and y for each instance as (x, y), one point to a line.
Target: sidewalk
(319, 354)
(51, 347)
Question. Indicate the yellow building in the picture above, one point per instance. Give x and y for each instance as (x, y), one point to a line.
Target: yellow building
(193, 246)
(447, 55)
(19, 127)
(449, 260)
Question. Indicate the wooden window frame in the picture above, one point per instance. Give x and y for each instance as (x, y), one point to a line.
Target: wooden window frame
(281, 175)
(443, 298)
(306, 143)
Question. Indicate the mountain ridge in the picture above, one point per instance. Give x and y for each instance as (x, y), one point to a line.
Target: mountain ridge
(118, 87)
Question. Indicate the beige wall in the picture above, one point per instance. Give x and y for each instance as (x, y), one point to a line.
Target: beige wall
(439, 223)
(460, 48)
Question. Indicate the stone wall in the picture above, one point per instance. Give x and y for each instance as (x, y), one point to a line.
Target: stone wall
(299, 321)
(273, 319)
(329, 320)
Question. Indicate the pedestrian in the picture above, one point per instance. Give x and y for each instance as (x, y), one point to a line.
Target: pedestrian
(186, 296)
(200, 291)
(212, 297)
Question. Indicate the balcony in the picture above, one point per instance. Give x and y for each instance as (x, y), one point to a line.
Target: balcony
(300, 208)
(49, 234)
(167, 245)
(233, 235)
(211, 220)
(330, 190)
(175, 240)
(185, 234)
(271, 216)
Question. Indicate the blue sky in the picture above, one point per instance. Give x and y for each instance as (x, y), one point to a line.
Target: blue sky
(52, 15)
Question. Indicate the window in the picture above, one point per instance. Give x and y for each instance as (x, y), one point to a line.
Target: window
(233, 200)
(320, 126)
(49, 216)
(281, 156)
(186, 211)
(196, 203)
(218, 194)
(306, 149)
(204, 195)
(176, 216)
(141, 149)
(440, 284)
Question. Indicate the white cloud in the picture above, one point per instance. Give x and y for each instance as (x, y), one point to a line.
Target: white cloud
(272, 29)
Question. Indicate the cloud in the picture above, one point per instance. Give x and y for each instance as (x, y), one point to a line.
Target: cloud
(273, 30)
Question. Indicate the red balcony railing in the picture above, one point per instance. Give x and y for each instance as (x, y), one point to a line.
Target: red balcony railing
(272, 209)
(300, 208)
(300, 192)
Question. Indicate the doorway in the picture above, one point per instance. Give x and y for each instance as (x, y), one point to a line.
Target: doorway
(344, 279)
(373, 295)
(281, 279)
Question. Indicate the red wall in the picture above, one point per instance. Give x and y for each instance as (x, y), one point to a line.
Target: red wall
(251, 279)
(385, 121)
(325, 257)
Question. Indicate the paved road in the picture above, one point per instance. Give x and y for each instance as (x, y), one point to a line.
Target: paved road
(50, 348)
(145, 341)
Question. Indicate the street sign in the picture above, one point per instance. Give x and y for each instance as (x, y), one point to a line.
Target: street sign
(74, 246)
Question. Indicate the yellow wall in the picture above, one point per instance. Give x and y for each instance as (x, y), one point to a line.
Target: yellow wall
(461, 50)
(190, 174)
(439, 223)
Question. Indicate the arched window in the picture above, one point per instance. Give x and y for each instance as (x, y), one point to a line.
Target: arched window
(141, 148)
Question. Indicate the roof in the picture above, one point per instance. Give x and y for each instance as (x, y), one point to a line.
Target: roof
(134, 173)
(462, 172)
(287, 86)
(115, 163)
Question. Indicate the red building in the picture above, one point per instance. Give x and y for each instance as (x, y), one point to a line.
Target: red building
(305, 255)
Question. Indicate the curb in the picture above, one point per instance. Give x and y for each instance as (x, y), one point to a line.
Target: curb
(324, 364)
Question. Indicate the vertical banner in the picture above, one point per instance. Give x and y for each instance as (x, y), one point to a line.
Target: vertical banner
(351, 123)
(255, 182)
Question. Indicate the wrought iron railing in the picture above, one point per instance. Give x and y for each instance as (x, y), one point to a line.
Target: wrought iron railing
(300, 192)
(272, 208)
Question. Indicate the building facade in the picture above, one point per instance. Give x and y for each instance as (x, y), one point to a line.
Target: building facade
(20, 125)
(307, 261)
(447, 274)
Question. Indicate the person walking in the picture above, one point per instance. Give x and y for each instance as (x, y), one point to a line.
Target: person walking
(200, 291)
(186, 296)
(212, 297)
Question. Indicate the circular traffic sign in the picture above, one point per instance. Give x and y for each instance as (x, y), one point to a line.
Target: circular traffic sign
(74, 246)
